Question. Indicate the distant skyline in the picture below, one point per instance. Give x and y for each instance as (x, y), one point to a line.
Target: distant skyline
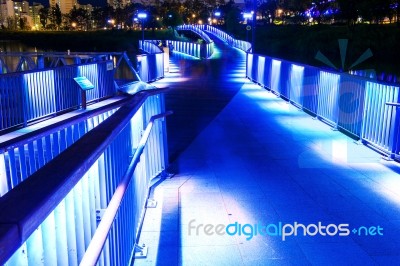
(82, 2)
(93, 2)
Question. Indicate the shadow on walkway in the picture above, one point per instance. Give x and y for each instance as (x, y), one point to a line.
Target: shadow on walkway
(245, 157)
(208, 87)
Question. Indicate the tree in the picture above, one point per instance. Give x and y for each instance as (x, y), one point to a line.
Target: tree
(55, 16)
(43, 15)
(232, 17)
(78, 16)
(397, 4)
(12, 23)
(22, 23)
(268, 9)
(348, 10)
(98, 17)
(297, 5)
(173, 19)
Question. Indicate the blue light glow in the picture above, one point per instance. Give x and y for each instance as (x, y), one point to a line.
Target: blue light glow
(40, 95)
(90, 71)
(275, 75)
(296, 83)
(142, 15)
(260, 68)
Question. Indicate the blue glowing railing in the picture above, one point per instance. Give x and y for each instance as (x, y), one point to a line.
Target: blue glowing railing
(150, 47)
(193, 49)
(29, 96)
(354, 104)
(20, 157)
(43, 92)
(207, 48)
(151, 65)
(195, 29)
(57, 222)
(11, 62)
(203, 50)
(239, 44)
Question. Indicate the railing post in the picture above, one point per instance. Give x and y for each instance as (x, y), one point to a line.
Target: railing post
(83, 98)
(40, 61)
(84, 85)
(394, 142)
(25, 97)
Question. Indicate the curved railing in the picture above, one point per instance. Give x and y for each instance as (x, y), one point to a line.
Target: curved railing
(196, 30)
(51, 217)
(48, 88)
(197, 50)
(239, 44)
(356, 105)
(151, 65)
(188, 48)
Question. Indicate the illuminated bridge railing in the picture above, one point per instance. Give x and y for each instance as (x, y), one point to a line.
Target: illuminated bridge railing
(51, 217)
(22, 156)
(28, 96)
(199, 50)
(239, 44)
(207, 48)
(189, 48)
(353, 104)
(196, 30)
(151, 65)
(32, 95)
(11, 62)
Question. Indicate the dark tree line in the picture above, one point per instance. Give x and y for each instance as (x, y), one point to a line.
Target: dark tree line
(349, 11)
(170, 13)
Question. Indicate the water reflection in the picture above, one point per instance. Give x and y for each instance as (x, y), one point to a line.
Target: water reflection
(10, 63)
(10, 46)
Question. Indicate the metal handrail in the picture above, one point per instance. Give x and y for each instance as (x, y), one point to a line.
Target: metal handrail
(393, 104)
(239, 44)
(155, 49)
(25, 207)
(99, 239)
(195, 29)
(56, 59)
(57, 126)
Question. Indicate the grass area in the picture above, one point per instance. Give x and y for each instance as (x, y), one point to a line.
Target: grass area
(301, 44)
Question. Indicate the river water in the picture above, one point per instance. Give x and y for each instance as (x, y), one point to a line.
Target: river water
(10, 61)
(12, 46)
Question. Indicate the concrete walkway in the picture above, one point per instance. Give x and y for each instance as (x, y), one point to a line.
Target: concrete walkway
(243, 156)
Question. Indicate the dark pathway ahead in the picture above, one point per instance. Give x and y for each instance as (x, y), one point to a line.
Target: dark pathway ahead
(201, 89)
(245, 157)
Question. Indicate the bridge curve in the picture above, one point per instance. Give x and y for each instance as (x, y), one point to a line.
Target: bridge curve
(200, 89)
(243, 155)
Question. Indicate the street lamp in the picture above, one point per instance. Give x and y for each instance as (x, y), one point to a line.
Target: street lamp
(142, 16)
(247, 16)
(112, 22)
(217, 14)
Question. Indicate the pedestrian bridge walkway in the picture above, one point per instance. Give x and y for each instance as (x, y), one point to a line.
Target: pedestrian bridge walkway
(257, 180)
(246, 159)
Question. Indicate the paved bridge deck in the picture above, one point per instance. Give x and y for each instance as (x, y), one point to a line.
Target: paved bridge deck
(243, 155)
